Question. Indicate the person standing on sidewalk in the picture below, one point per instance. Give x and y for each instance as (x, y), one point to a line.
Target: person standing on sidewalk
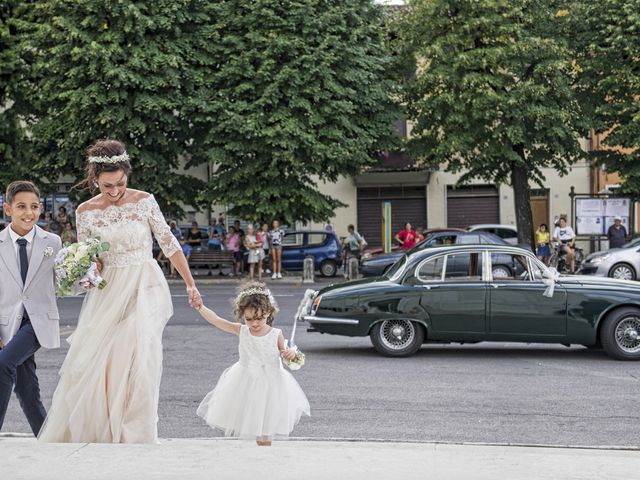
(29, 316)
(254, 247)
(617, 234)
(233, 245)
(263, 235)
(276, 235)
(407, 237)
(354, 244)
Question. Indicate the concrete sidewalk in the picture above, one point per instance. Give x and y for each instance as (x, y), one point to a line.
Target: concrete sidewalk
(216, 458)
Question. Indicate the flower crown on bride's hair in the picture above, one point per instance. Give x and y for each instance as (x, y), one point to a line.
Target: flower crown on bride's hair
(255, 291)
(123, 157)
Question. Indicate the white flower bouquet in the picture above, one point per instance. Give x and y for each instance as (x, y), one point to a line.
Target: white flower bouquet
(297, 362)
(75, 266)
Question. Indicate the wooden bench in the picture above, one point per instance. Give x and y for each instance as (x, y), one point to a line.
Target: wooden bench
(210, 258)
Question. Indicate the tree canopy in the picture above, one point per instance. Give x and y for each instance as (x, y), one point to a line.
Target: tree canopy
(606, 39)
(104, 69)
(492, 95)
(300, 94)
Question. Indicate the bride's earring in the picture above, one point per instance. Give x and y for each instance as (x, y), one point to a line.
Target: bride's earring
(95, 184)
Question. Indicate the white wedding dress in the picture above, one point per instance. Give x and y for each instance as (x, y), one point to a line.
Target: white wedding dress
(109, 382)
(255, 397)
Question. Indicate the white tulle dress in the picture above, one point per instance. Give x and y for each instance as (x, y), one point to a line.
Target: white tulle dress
(109, 382)
(255, 397)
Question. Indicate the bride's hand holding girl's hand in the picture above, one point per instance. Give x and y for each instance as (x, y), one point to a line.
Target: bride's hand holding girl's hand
(195, 299)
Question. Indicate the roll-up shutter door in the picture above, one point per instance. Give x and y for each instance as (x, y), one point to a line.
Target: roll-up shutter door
(408, 204)
(471, 205)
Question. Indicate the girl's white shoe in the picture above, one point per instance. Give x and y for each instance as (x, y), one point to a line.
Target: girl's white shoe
(279, 275)
(274, 276)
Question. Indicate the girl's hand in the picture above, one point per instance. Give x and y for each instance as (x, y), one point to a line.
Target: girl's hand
(288, 354)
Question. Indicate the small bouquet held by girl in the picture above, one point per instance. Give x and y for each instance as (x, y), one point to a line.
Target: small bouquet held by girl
(255, 397)
(76, 267)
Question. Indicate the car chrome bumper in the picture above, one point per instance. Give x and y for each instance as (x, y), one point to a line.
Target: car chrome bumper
(336, 321)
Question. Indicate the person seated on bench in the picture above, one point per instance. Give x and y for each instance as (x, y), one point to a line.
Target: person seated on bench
(186, 249)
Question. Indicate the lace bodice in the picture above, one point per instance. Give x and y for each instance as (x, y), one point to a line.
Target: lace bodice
(128, 228)
(259, 352)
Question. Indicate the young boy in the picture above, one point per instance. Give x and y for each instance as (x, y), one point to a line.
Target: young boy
(28, 312)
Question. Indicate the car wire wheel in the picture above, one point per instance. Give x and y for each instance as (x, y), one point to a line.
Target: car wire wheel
(627, 334)
(397, 334)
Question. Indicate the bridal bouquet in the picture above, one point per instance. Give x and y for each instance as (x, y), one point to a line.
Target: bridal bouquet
(75, 266)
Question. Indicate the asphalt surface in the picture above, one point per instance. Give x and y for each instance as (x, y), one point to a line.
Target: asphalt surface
(503, 393)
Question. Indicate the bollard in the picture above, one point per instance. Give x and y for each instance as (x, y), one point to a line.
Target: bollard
(353, 268)
(308, 269)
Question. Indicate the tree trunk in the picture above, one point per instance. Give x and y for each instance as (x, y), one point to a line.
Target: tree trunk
(522, 198)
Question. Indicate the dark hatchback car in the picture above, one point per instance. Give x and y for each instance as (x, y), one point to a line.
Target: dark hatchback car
(376, 266)
(422, 300)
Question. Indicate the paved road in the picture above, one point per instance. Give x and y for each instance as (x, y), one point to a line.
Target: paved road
(496, 393)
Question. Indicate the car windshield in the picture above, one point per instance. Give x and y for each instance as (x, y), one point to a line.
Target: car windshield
(396, 267)
(633, 243)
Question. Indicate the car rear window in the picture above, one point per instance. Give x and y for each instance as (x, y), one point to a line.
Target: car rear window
(316, 239)
(468, 239)
(292, 239)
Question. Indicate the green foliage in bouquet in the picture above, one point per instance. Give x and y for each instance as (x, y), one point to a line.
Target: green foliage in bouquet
(73, 263)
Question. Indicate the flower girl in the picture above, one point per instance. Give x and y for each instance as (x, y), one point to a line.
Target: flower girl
(255, 397)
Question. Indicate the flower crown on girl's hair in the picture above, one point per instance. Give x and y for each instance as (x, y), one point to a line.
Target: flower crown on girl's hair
(247, 292)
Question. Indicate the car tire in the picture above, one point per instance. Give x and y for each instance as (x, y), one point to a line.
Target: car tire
(622, 271)
(328, 268)
(397, 337)
(502, 272)
(620, 334)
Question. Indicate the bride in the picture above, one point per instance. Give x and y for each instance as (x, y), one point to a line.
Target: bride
(110, 380)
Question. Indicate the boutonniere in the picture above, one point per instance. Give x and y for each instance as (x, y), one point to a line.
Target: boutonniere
(48, 252)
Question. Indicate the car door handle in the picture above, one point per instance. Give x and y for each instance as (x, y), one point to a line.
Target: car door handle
(495, 286)
(429, 287)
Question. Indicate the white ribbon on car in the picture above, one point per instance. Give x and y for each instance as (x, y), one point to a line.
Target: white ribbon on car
(302, 310)
(550, 282)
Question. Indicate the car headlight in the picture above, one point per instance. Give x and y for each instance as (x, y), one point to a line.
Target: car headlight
(599, 258)
(366, 255)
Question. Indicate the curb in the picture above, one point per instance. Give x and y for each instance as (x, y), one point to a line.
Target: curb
(297, 281)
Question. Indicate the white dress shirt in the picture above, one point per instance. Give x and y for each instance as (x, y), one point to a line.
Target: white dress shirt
(28, 237)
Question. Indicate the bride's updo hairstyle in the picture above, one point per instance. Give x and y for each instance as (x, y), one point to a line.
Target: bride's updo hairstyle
(104, 156)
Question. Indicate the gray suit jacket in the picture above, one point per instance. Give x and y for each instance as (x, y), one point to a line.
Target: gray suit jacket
(37, 296)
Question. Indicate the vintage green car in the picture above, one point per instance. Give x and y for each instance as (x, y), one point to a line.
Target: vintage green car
(448, 294)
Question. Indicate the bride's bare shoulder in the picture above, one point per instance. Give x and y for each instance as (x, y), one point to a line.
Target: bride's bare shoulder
(137, 195)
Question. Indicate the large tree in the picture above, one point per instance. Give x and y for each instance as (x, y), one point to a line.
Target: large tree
(492, 95)
(13, 147)
(125, 70)
(607, 43)
(300, 95)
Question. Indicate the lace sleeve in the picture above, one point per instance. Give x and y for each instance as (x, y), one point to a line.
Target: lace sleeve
(82, 227)
(166, 239)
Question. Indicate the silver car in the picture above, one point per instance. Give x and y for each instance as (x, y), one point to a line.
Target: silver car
(622, 263)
